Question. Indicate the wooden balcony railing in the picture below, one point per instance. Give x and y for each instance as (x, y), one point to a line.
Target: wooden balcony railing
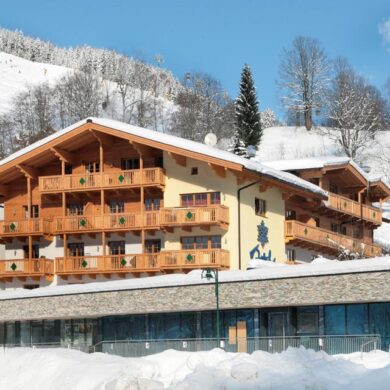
(22, 268)
(350, 207)
(36, 226)
(212, 215)
(209, 215)
(302, 234)
(97, 181)
(107, 222)
(147, 262)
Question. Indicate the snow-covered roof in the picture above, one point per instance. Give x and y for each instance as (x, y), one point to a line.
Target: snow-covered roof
(194, 278)
(181, 143)
(319, 162)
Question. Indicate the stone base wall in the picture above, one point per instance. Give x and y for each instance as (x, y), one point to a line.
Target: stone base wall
(313, 290)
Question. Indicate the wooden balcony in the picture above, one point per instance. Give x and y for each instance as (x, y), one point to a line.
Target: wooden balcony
(354, 209)
(107, 180)
(19, 228)
(108, 222)
(151, 263)
(324, 241)
(195, 216)
(24, 268)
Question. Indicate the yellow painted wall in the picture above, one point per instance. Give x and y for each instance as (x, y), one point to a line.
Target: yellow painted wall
(180, 181)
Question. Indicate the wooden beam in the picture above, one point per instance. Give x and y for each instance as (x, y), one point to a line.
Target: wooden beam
(264, 187)
(180, 159)
(64, 155)
(218, 169)
(3, 189)
(102, 138)
(143, 150)
(27, 171)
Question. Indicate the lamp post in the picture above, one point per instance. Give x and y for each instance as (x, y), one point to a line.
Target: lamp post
(209, 274)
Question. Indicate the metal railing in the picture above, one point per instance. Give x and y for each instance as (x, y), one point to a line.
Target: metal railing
(329, 344)
(79, 346)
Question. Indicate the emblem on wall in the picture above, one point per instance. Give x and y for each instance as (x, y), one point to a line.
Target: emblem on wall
(262, 238)
(262, 234)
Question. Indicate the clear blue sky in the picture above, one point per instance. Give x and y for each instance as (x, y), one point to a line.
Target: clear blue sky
(215, 36)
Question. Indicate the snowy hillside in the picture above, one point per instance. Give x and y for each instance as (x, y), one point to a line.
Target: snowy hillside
(287, 142)
(16, 73)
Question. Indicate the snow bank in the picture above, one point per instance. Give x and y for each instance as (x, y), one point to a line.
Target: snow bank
(62, 369)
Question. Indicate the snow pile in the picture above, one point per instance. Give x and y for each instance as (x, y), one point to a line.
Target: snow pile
(17, 73)
(62, 369)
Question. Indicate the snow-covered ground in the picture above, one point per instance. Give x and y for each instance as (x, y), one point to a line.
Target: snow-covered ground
(62, 369)
(16, 73)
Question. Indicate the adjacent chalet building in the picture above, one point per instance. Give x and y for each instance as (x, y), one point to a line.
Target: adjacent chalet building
(105, 200)
(345, 221)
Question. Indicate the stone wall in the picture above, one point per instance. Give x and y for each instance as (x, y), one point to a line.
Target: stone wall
(313, 290)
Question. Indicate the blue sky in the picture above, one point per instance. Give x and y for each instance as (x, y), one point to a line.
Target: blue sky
(215, 36)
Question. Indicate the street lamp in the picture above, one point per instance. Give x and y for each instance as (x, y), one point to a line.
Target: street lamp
(209, 274)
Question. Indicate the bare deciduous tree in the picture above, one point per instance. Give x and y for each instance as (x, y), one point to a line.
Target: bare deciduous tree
(204, 107)
(304, 77)
(356, 110)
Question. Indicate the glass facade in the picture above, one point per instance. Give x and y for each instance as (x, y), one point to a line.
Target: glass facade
(350, 319)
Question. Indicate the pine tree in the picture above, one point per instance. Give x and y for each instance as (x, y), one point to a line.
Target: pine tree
(237, 145)
(247, 110)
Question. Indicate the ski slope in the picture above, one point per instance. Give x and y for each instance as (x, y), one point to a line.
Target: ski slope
(16, 73)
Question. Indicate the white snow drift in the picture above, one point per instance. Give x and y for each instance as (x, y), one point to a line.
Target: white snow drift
(62, 369)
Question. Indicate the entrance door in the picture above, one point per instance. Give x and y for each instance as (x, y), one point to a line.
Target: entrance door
(277, 330)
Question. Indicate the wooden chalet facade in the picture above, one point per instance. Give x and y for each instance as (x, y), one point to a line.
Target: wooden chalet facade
(345, 221)
(102, 199)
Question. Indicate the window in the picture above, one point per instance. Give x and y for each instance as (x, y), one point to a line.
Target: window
(291, 254)
(152, 204)
(159, 162)
(187, 200)
(34, 252)
(215, 242)
(76, 249)
(317, 221)
(307, 320)
(34, 211)
(68, 169)
(260, 206)
(357, 319)
(117, 247)
(76, 209)
(215, 198)
(129, 163)
(200, 199)
(194, 171)
(291, 215)
(333, 188)
(117, 206)
(357, 232)
(92, 167)
(334, 319)
(152, 246)
(201, 242)
(343, 230)
(334, 227)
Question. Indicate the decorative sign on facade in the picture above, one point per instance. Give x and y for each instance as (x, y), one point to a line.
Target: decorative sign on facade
(262, 238)
(262, 234)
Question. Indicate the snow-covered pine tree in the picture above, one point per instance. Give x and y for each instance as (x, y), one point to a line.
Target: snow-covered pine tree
(237, 145)
(247, 110)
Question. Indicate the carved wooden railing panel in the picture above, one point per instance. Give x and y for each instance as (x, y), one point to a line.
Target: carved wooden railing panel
(295, 230)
